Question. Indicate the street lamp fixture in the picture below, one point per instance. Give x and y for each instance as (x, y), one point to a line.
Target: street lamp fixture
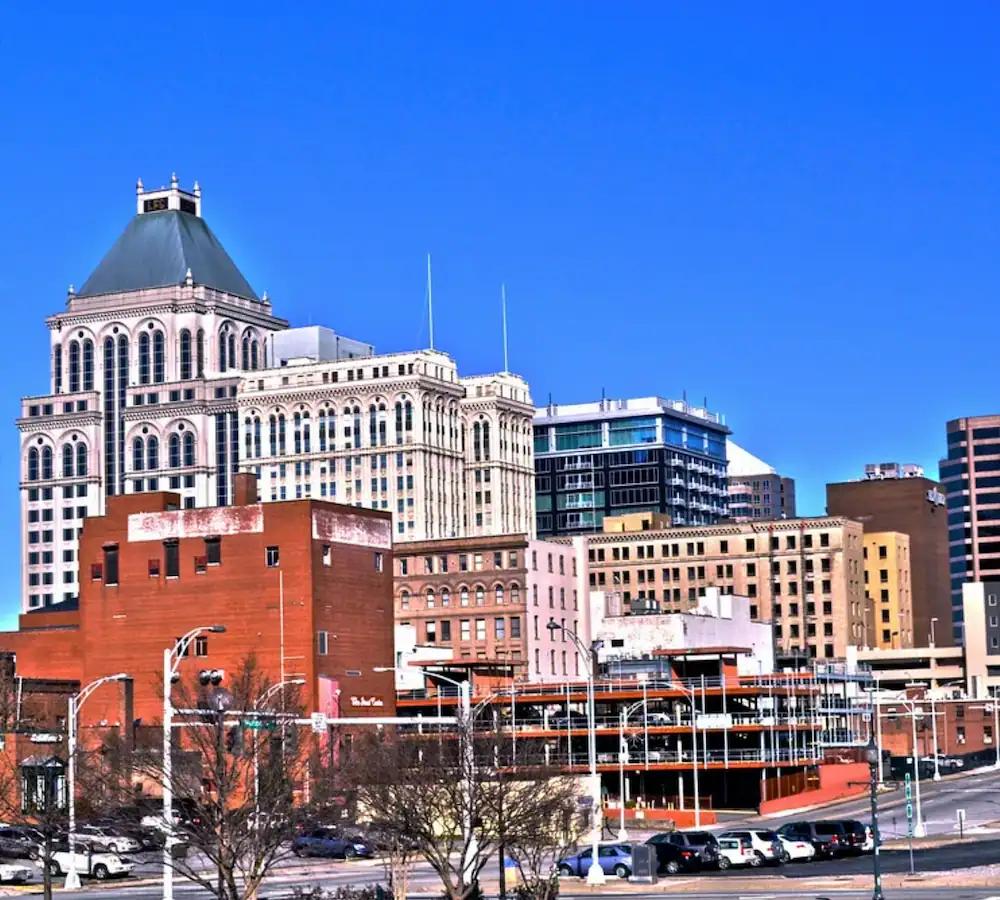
(172, 657)
(595, 874)
(873, 755)
(75, 702)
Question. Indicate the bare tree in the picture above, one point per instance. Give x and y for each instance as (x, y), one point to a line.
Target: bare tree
(237, 768)
(459, 801)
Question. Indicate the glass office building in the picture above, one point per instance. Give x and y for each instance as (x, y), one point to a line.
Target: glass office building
(615, 457)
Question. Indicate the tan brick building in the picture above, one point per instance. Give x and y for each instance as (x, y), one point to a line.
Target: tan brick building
(489, 599)
(807, 575)
(888, 590)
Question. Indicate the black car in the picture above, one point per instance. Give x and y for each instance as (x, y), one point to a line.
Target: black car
(829, 838)
(696, 849)
(855, 835)
(20, 842)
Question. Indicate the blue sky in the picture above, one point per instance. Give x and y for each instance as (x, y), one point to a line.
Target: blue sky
(789, 209)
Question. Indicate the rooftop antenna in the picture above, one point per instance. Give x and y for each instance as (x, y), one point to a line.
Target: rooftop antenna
(503, 310)
(430, 302)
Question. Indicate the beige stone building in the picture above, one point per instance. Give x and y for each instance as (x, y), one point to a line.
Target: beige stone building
(805, 575)
(888, 591)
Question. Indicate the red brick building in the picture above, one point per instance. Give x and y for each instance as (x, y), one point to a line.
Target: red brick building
(304, 585)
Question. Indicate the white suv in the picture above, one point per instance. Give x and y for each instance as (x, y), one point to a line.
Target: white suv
(766, 845)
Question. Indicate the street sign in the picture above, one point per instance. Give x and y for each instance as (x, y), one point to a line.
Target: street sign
(907, 788)
(866, 717)
(261, 724)
(318, 721)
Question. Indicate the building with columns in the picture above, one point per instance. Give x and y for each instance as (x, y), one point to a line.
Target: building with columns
(169, 372)
(448, 456)
(145, 363)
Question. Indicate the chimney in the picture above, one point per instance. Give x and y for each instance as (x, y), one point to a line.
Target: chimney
(244, 489)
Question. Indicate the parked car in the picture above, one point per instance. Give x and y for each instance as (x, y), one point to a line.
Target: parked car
(855, 835)
(672, 858)
(735, 851)
(15, 873)
(106, 837)
(89, 861)
(796, 850)
(325, 842)
(702, 843)
(20, 842)
(828, 838)
(765, 844)
(614, 859)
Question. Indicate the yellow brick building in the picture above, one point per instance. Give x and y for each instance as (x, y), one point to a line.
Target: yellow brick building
(889, 612)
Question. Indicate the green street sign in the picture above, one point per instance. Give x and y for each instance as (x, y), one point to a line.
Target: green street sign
(909, 812)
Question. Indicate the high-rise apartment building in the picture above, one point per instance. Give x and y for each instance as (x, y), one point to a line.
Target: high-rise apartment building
(448, 456)
(805, 575)
(970, 479)
(756, 490)
(888, 590)
(145, 362)
(621, 456)
(914, 506)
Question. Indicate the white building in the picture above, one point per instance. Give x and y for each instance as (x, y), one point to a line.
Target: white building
(448, 456)
(144, 370)
(147, 392)
(719, 621)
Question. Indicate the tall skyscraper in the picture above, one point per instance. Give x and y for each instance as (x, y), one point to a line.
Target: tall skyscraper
(145, 362)
(615, 457)
(756, 490)
(914, 506)
(970, 477)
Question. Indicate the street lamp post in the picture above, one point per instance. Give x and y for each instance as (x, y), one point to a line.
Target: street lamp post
(595, 874)
(623, 716)
(918, 829)
(873, 754)
(263, 698)
(75, 702)
(172, 657)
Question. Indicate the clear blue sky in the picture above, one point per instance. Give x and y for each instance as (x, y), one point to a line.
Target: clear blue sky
(789, 210)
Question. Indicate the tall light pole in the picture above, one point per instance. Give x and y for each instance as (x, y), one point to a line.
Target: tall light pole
(622, 758)
(172, 657)
(75, 702)
(929, 694)
(694, 752)
(918, 829)
(467, 753)
(595, 874)
(263, 698)
(873, 753)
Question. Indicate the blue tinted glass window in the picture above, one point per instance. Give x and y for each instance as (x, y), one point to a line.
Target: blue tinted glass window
(576, 437)
(632, 431)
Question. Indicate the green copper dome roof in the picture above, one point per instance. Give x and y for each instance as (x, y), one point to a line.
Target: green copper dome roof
(157, 249)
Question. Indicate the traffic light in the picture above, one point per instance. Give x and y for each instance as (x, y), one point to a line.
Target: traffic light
(234, 740)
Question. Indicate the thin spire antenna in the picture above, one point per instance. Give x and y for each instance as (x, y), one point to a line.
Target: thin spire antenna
(430, 302)
(503, 311)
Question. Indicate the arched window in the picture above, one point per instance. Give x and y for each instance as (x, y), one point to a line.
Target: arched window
(46, 463)
(33, 464)
(404, 600)
(476, 442)
(372, 426)
(188, 449)
(357, 426)
(382, 436)
(185, 348)
(57, 369)
(247, 437)
(480, 595)
(81, 460)
(486, 440)
(67, 456)
(232, 350)
(445, 597)
(159, 360)
(254, 354)
(137, 454)
(463, 596)
(273, 422)
(297, 432)
(74, 366)
(399, 422)
(431, 599)
(408, 415)
(321, 421)
(144, 358)
(498, 594)
(306, 443)
(222, 351)
(256, 436)
(200, 354)
(515, 593)
(152, 454)
(88, 365)
(245, 355)
(174, 451)
(281, 433)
